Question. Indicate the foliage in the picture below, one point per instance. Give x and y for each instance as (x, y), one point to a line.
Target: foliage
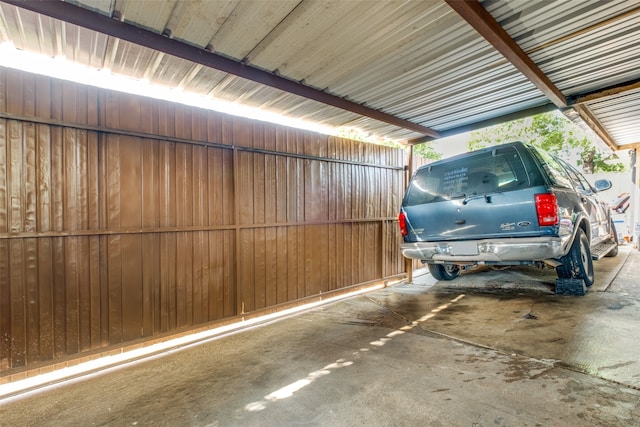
(426, 151)
(554, 133)
(593, 161)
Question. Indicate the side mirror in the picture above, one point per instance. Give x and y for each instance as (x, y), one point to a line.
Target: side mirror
(602, 184)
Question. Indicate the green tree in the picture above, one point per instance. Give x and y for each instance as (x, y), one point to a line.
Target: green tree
(552, 132)
(426, 151)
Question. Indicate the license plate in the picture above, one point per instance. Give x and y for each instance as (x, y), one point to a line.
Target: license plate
(464, 248)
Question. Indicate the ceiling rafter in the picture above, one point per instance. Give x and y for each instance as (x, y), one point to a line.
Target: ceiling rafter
(580, 104)
(70, 13)
(490, 122)
(587, 116)
(482, 21)
(632, 146)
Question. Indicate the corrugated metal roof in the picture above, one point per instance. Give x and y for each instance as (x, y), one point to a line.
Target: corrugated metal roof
(583, 47)
(603, 57)
(621, 115)
(417, 60)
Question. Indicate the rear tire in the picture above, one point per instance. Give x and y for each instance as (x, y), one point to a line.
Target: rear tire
(577, 264)
(614, 238)
(444, 271)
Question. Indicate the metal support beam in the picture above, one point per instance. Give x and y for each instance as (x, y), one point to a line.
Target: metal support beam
(70, 13)
(632, 146)
(587, 116)
(408, 263)
(482, 21)
(633, 203)
(490, 122)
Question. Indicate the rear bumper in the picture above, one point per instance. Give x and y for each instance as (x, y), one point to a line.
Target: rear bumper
(489, 250)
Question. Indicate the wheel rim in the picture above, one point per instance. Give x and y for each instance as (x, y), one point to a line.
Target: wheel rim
(585, 257)
(583, 254)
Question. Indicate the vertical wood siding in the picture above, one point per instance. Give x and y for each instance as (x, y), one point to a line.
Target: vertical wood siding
(124, 218)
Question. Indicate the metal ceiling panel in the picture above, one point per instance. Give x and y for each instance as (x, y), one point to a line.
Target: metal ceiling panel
(582, 47)
(50, 37)
(103, 7)
(170, 71)
(621, 115)
(248, 24)
(423, 61)
(418, 60)
(600, 58)
(537, 23)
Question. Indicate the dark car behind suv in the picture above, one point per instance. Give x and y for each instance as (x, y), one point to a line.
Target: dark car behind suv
(511, 204)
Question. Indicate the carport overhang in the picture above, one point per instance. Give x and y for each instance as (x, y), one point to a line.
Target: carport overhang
(389, 117)
(427, 70)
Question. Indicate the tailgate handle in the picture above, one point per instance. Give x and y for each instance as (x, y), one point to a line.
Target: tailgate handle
(460, 221)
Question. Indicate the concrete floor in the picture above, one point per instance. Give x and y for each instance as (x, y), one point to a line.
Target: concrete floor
(489, 349)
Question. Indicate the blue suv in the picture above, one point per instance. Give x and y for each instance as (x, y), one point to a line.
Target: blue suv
(511, 204)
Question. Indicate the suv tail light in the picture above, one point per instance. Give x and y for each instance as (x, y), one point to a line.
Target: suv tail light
(402, 218)
(547, 209)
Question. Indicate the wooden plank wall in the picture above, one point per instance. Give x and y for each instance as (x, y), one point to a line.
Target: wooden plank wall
(124, 218)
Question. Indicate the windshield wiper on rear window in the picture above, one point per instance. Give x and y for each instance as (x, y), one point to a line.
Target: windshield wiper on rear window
(486, 196)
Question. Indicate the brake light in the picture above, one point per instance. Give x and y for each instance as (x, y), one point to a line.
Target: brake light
(402, 219)
(547, 209)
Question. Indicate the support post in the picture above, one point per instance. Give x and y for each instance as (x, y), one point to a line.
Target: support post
(408, 263)
(633, 203)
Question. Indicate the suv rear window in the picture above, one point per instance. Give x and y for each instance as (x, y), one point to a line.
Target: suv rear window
(489, 171)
